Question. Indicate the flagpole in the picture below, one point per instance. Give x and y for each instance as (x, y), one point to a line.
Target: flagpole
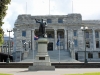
(33, 43)
(59, 48)
(49, 7)
(72, 6)
(26, 7)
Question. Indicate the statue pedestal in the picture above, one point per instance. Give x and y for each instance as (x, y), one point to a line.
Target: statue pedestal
(42, 59)
(25, 54)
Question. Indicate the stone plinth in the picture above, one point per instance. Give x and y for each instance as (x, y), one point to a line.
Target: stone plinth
(42, 59)
(25, 55)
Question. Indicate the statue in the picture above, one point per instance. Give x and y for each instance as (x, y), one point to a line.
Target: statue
(42, 26)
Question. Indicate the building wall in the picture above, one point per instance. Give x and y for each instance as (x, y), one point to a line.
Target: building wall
(70, 23)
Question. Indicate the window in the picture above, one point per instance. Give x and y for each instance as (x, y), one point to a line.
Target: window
(49, 36)
(60, 20)
(75, 32)
(99, 55)
(90, 55)
(49, 21)
(61, 35)
(87, 44)
(75, 43)
(97, 44)
(87, 34)
(96, 34)
(24, 33)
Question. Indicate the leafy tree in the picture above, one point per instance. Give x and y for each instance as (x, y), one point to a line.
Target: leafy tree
(3, 8)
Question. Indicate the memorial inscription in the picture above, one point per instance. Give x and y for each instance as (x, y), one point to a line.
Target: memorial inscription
(41, 58)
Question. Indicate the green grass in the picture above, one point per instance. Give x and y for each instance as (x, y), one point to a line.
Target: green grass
(5, 74)
(96, 73)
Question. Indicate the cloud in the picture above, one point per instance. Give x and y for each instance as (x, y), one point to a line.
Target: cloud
(13, 11)
(89, 9)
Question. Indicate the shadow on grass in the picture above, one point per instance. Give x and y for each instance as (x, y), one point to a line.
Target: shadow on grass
(27, 71)
(34, 71)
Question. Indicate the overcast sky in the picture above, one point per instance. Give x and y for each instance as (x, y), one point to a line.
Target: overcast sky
(89, 9)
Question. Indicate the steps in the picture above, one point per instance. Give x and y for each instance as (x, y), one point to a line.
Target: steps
(54, 56)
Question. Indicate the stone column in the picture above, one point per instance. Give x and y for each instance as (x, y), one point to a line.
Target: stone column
(14, 42)
(94, 41)
(18, 39)
(33, 40)
(70, 34)
(80, 39)
(65, 38)
(55, 32)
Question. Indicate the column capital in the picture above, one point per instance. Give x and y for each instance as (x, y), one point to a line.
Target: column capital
(70, 29)
(55, 29)
(65, 28)
(32, 29)
(93, 28)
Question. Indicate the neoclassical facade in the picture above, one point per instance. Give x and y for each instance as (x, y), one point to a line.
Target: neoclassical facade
(68, 27)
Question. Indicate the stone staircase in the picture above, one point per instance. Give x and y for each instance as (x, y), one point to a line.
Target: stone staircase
(54, 56)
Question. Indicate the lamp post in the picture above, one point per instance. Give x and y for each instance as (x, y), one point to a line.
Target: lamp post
(29, 43)
(73, 53)
(25, 45)
(84, 29)
(8, 59)
(71, 43)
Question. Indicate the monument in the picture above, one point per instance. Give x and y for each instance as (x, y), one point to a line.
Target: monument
(42, 59)
(42, 32)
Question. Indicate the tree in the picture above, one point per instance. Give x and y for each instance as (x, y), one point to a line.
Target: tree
(3, 8)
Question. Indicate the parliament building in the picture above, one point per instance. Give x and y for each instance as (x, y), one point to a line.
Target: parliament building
(81, 43)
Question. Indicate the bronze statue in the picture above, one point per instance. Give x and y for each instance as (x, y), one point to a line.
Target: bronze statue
(42, 28)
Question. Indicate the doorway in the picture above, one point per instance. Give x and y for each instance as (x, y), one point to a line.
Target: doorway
(50, 46)
(76, 56)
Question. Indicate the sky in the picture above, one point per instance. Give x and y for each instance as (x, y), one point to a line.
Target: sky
(89, 9)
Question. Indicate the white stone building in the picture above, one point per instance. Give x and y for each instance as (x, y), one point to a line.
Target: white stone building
(69, 29)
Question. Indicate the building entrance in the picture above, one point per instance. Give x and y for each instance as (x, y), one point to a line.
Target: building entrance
(50, 46)
(76, 56)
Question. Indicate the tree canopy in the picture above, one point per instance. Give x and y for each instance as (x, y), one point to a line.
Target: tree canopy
(3, 8)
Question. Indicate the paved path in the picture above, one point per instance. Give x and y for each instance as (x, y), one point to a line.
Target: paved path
(58, 71)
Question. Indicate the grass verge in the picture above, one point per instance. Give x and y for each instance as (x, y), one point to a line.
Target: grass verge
(94, 73)
(5, 74)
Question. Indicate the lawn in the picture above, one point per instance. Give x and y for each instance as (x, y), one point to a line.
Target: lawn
(96, 73)
(5, 74)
